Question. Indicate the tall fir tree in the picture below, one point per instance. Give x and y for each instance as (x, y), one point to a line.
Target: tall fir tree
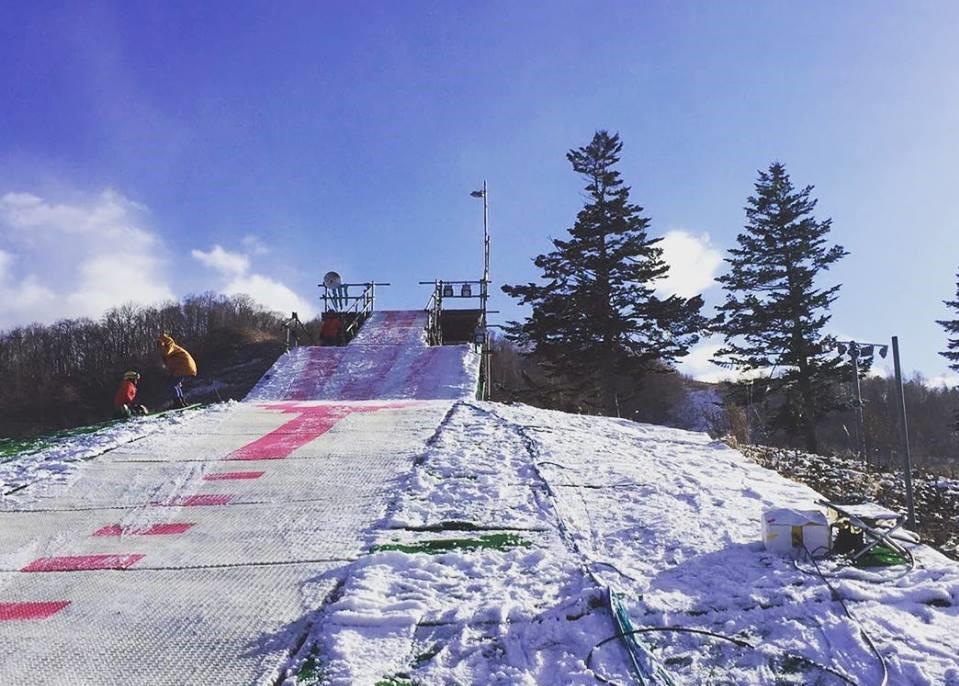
(773, 315)
(951, 326)
(596, 322)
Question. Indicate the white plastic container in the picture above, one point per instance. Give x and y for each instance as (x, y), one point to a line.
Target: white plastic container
(788, 532)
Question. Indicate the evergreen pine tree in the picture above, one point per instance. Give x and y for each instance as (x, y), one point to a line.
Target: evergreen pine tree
(952, 328)
(773, 315)
(596, 322)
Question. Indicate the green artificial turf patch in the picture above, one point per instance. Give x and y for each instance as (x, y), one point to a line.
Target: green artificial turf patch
(498, 541)
(12, 447)
(310, 672)
(395, 681)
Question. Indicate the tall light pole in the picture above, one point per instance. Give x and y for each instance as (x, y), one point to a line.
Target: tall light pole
(484, 292)
(860, 417)
(904, 438)
(484, 286)
(857, 351)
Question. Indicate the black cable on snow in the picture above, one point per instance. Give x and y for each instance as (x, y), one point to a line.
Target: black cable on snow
(621, 633)
(862, 631)
(742, 643)
(910, 567)
(586, 562)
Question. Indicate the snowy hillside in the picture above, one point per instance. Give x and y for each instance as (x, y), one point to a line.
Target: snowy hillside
(668, 518)
(360, 520)
(488, 563)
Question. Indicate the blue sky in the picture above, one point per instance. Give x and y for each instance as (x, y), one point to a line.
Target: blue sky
(148, 150)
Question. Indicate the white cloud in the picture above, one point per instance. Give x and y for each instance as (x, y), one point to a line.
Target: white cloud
(110, 280)
(947, 379)
(227, 263)
(698, 365)
(19, 302)
(693, 263)
(880, 368)
(110, 217)
(264, 290)
(21, 298)
(271, 294)
(76, 259)
(254, 245)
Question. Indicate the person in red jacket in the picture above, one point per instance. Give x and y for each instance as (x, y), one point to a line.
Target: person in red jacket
(125, 395)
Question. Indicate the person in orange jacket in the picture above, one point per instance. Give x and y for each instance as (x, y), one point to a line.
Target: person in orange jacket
(125, 395)
(179, 364)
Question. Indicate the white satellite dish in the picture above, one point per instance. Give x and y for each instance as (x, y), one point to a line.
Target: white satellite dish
(332, 280)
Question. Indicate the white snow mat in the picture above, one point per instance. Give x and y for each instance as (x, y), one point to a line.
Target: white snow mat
(198, 566)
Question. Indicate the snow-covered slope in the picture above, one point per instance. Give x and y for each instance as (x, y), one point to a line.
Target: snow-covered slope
(388, 359)
(668, 518)
(385, 539)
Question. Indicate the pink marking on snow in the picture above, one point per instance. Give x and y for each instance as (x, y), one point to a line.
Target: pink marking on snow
(82, 563)
(311, 422)
(37, 610)
(166, 529)
(152, 530)
(201, 500)
(416, 378)
(406, 319)
(367, 383)
(227, 476)
(321, 364)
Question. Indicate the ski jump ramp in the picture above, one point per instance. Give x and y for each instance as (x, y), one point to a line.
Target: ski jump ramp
(388, 360)
(199, 557)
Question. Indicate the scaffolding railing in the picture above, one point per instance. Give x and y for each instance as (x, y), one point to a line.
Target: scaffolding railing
(434, 311)
(353, 309)
(294, 330)
(461, 289)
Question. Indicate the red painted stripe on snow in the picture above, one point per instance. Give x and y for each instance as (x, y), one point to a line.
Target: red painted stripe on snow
(201, 500)
(82, 563)
(416, 377)
(166, 529)
(312, 421)
(406, 319)
(40, 610)
(153, 530)
(320, 366)
(367, 381)
(228, 476)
